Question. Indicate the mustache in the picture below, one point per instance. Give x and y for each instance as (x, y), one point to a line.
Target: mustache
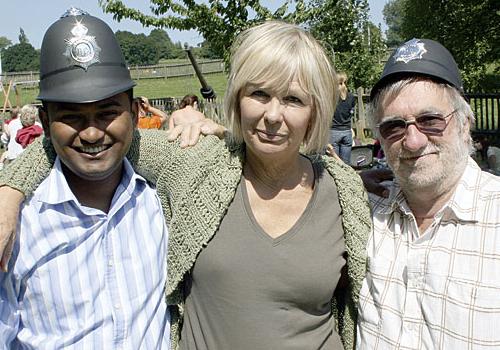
(430, 148)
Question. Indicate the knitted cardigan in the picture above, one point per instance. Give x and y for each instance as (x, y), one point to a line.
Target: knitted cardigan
(196, 187)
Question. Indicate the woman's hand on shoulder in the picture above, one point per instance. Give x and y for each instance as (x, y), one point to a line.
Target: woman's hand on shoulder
(373, 178)
(189, 133)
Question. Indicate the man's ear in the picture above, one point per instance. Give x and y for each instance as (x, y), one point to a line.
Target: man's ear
(44, 118)
(135, 110)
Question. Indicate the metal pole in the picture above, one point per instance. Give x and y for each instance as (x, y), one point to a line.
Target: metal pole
(206, 90)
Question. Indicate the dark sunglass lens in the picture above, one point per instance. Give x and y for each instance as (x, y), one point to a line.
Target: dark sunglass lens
(431, 123)
(392, 129)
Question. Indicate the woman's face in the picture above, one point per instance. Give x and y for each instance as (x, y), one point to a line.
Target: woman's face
(273, 123)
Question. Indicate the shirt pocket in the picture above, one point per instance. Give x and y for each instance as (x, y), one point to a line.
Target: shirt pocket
(470, 315)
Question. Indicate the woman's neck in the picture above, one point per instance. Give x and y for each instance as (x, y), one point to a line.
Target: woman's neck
(279, 174)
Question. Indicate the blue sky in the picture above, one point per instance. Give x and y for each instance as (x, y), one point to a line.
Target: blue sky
(35, 16)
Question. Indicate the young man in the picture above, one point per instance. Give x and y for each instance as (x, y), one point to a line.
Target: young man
(433, 279)
(88, 269)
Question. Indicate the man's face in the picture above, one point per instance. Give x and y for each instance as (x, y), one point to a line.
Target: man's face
(421, 161)
(91, 139)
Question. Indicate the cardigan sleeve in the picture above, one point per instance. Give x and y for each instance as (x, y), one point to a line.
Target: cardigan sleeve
(30, 168)
(150, 152)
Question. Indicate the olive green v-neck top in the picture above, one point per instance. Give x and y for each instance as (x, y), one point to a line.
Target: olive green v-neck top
(250, 291)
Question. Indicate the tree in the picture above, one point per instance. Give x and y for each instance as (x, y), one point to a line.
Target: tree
(469, 29)
(138, 49)
(23, 39)
(393, 16)
(354, 43)
(218, 22)
(164, 46)
(341, 25)
(20, 57)
(205, 50)
(4, 42)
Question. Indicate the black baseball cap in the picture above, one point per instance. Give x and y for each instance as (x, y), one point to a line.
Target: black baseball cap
(423, 57)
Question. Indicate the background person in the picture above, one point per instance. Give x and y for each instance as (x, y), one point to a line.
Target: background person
(13, 147)
(187, 113)
(31, 127)
(14, 113)
(489, 153)
(341, 134)
(189, 100)
(150, 117)
(257, 228)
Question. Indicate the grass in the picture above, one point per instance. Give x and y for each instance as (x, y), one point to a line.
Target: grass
(151, 88)
(179, 87)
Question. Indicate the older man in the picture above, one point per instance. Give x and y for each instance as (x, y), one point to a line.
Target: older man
(433, 278)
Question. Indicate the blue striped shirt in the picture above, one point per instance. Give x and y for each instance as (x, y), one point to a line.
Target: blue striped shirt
(84, 279)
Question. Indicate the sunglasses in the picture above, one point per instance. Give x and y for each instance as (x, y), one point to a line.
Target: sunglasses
(432, 124)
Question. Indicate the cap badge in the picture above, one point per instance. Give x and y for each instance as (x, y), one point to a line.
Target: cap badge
(411, 50)
(82, 49)
(74, 11)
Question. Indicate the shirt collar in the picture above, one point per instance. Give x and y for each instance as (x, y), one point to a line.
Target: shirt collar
(464, 202)
(56, 189)
(396, 200)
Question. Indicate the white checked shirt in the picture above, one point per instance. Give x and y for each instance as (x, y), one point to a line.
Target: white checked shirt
(439, 290)
(80, 278)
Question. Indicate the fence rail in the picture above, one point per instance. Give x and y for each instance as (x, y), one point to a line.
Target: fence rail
(137, 72)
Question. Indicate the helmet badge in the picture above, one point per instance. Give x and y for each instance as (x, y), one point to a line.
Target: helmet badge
(411, 50)
(82, 49)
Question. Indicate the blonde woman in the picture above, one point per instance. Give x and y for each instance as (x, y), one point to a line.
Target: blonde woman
(266, 244)
(341, 129)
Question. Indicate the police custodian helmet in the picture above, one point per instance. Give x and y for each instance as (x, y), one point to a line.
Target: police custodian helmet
(81, 61)
(420, 57)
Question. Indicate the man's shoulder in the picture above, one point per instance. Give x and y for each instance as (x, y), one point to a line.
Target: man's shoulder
(476, 180)
(488, 184)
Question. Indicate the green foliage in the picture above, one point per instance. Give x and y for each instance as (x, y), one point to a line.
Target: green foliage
(354, 43)
(165, 47)
(4, 42)
(23, 39)
(393, 16)
(342, 25)
(138, 49)
(469, 29)
(217, 21)
(205, 50)
(20, 57)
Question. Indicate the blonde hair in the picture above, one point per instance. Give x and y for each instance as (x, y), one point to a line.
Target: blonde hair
(342, 78)
(28, 115)
(274, 54)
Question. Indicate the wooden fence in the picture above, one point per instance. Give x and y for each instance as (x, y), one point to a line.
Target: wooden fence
(137, 72)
